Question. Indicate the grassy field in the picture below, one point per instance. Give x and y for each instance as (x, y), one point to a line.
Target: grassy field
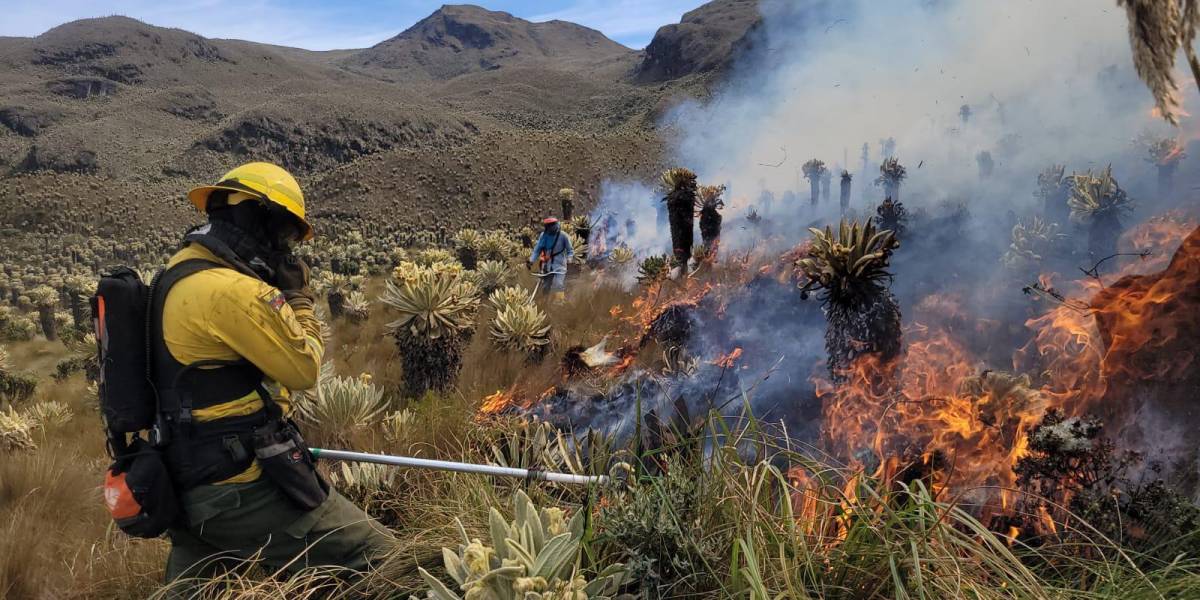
(687, 523)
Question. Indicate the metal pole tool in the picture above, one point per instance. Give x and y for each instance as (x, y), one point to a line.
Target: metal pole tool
(445, 465)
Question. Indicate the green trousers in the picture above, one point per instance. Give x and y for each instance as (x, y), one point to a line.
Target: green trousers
(227, 524)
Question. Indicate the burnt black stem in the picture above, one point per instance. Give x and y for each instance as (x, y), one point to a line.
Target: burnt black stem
(1094, 272)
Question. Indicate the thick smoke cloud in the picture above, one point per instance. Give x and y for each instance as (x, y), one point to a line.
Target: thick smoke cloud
(1043, 81)
(1031, 83)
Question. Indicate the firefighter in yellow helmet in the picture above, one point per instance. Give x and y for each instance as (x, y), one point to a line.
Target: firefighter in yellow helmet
(237, 333)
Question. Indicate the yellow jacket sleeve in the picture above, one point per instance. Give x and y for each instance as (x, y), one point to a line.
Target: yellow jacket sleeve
(255, 321)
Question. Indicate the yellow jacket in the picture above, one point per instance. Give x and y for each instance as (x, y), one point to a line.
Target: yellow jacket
(221, 314)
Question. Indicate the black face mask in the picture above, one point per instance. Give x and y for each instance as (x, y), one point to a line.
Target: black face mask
(250, 233)
(270, 229)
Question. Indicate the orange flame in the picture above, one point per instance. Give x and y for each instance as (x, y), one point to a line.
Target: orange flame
(726, 361)
(495, 403)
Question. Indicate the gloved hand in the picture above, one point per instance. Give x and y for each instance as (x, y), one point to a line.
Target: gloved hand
(291, 275)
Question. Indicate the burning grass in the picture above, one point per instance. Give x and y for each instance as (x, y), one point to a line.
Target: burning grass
(924, 479)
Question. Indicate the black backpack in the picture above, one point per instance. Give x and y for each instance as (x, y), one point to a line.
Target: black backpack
(137, 486)
(120, 311)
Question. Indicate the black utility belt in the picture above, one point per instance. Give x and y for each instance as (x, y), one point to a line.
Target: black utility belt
(217, 450)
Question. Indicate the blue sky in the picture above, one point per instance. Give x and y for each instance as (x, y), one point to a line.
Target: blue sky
(328, 24)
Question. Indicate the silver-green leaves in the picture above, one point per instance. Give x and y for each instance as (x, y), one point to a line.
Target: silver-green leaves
(849, 261)
(522, 327)
(536, 556)
(430, 305)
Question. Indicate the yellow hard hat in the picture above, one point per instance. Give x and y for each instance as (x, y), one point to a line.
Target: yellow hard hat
(261, 179)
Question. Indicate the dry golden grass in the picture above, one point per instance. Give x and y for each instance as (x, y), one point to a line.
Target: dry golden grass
(55, 535)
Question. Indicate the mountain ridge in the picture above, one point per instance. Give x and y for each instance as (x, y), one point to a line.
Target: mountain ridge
(116, 108)
(460, 39)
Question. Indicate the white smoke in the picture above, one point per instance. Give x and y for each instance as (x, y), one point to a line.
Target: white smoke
(628, 213)
(1045, 81)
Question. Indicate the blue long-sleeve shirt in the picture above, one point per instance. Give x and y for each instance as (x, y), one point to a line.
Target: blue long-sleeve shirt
(556, 244)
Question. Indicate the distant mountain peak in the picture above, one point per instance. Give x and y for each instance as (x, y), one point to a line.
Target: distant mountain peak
(457, 39)
(118, 48)
(706, 39)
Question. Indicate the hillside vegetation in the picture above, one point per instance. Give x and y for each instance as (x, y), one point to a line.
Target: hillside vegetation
(117, 118)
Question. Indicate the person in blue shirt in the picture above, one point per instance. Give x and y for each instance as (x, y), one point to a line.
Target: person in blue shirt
(550, 255)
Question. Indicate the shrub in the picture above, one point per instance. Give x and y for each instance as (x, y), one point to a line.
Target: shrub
(436, 313)
(343, 404)
(1071, 465)
(537, 556)
(659, 532)
(17, 387)
(14, 431)
(522, 327)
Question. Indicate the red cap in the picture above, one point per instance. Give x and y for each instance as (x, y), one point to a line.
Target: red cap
(549, 221)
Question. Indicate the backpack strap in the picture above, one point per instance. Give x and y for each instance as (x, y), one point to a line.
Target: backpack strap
(178, 388)
(554, 244)
(212, 451)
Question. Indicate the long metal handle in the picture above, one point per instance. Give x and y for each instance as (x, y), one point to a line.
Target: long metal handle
(445, 465)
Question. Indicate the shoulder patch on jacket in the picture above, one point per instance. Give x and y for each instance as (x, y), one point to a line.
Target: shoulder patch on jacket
(274, 299)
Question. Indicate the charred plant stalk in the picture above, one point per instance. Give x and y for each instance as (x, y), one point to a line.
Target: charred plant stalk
(845, 195)
(710, 216)
(680, 202)
(813, 171)
(849, 267)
